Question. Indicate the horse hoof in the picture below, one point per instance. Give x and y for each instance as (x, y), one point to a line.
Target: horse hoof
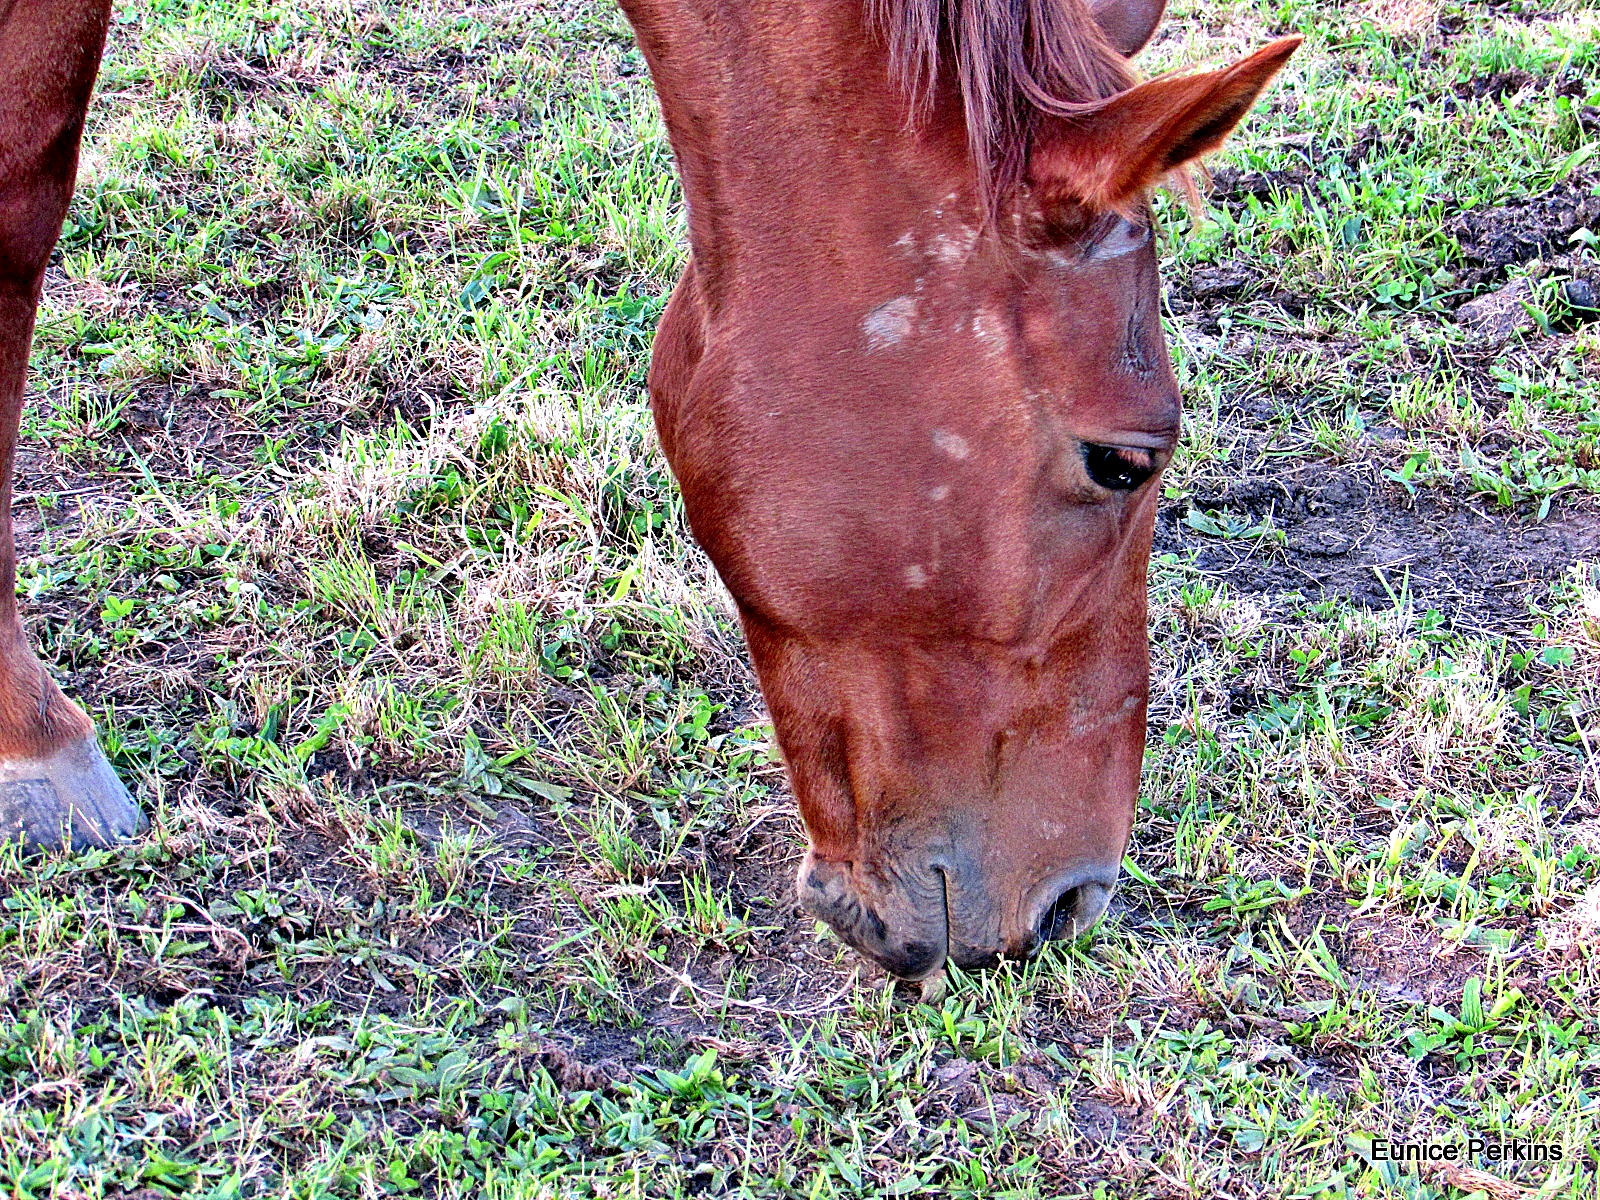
(70, 797)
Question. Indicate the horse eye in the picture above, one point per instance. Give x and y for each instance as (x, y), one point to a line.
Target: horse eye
(1124, 237)
(1119, 468)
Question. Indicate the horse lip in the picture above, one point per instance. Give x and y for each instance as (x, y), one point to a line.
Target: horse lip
(944, 904)
(911, 945)
(944, 956)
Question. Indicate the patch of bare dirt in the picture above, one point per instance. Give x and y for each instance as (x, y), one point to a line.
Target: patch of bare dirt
(1396, 955)
(1348, 532)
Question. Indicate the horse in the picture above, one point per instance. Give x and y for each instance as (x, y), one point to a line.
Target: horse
(913, 386)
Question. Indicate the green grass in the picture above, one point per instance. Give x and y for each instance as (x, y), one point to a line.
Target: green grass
(470, 871)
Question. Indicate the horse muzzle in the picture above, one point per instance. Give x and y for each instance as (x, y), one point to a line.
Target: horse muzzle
(912, 921)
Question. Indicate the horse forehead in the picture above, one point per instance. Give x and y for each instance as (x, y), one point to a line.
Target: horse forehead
(943, 234)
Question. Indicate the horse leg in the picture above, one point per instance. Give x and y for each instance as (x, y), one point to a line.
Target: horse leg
(56, 787)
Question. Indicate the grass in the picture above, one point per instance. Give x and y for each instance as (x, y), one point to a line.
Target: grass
(471, 865)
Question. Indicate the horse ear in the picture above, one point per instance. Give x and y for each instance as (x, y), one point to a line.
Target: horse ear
(1128, 24)
(1107, 156)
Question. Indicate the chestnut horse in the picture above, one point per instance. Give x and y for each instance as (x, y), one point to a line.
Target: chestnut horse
(914, 389)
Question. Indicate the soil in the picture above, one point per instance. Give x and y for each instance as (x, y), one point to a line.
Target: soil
(1497, 237)
(1348, 532)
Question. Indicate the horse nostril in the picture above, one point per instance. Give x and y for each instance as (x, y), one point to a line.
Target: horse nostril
(1055, 919)
(1072, 912)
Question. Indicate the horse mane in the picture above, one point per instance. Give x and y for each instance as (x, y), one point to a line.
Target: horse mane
(1014, 61)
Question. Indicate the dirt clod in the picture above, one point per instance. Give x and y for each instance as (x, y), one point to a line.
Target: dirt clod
(1519, 232)
(1496, 86)
(1498, 316)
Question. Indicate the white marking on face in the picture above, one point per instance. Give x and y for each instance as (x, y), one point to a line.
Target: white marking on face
(890, 323)
(987, 327)
(952, 444)
(1085, 724)
(942, 492)
(916, 577)
(951, 248)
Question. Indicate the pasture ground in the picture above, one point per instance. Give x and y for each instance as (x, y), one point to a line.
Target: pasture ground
(470, 872)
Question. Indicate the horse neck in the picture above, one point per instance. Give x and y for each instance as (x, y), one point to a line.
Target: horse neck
(788, 128)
